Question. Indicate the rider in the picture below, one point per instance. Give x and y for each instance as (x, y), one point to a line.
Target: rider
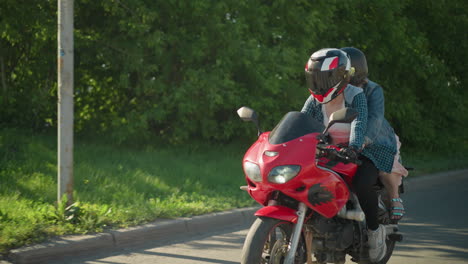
(379, 130)
(328, 72)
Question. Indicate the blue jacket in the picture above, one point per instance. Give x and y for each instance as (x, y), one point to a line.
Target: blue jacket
(379, 130)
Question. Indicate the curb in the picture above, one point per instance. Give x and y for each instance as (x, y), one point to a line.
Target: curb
(160, 231)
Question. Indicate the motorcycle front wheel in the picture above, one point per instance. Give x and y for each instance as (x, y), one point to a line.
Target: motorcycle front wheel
(267, 243)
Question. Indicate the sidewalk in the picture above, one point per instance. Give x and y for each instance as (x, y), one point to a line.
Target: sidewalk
(162, 231)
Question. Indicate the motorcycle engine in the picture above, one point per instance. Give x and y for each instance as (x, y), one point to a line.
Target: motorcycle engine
(331, 238)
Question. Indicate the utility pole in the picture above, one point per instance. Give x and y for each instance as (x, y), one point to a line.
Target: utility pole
(65, 100)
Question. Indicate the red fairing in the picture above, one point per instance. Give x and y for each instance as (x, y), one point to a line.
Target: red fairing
(319, 188)
(347, 170)
(278, 212)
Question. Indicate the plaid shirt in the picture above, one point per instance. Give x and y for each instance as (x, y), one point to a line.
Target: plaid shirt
(381, 155)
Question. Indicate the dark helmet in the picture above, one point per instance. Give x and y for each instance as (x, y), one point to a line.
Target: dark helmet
(359, 62)
(327, 73)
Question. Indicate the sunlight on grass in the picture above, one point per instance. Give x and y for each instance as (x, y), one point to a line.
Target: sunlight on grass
(113, 186)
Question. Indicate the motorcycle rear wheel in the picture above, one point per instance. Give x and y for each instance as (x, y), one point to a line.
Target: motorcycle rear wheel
(267, 243)
(384, 218)
(388, 254)
(390, 247)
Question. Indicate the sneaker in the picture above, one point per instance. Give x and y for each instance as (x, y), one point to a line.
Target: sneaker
(377, 245)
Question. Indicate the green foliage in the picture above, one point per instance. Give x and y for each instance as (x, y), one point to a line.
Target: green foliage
(27, 63)
(177, 70)
(423, 91)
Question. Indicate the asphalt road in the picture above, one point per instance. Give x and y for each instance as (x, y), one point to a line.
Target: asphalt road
(435, 231)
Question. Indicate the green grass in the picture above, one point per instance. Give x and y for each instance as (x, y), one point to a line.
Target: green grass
(425, 163)
(113, 186)
(119, 186)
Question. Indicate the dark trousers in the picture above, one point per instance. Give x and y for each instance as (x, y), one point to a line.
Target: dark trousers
(366, 176)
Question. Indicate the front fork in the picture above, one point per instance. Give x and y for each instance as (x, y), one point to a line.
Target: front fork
(296, 234)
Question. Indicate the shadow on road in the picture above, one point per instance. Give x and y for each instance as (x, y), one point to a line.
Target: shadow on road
(175, 251)
(447, 242)
(436, 221)
(186, 257)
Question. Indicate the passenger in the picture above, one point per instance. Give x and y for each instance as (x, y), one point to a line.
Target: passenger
(379, 131)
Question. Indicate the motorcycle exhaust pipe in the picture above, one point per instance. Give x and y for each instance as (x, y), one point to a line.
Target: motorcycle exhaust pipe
(356, 214)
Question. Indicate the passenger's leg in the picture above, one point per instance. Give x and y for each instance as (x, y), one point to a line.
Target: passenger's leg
(392, 181)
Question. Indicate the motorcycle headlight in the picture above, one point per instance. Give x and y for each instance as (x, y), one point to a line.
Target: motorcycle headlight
(283, 174)
(252, 171)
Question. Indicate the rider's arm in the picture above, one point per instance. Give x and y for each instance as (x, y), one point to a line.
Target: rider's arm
(359, 125)
(310, 108)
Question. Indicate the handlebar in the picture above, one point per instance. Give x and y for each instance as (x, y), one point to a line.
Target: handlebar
(332, 152)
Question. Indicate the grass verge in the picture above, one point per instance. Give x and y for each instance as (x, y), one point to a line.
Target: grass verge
(113, 186)
(124, 186)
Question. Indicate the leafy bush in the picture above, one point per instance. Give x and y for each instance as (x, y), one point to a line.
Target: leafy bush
(178, 70)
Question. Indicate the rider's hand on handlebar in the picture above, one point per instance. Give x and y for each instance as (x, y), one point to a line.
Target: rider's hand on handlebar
(350, 153)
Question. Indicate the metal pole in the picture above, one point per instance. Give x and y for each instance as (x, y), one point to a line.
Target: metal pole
(65, 100)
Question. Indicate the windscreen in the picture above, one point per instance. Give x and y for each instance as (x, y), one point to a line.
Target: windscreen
(294, 125)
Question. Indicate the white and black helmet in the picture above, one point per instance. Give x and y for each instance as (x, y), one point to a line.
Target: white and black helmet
(327, 72)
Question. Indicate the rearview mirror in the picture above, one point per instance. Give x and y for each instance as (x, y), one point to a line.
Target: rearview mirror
(248, 114)
(345, 115)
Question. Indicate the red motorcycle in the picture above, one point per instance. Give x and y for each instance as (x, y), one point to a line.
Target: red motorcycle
(309, 214)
